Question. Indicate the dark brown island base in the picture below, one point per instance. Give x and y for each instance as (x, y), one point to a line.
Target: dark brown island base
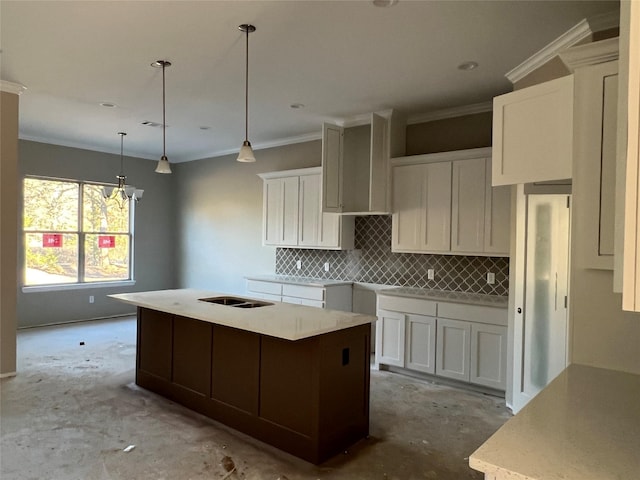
(308, 396)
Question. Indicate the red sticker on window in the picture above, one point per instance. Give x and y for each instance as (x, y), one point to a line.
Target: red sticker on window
(106, 241)
(52, 240)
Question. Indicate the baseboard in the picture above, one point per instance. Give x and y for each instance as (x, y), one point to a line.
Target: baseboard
(7, 375)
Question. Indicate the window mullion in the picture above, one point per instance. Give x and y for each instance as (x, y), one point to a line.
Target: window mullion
(80, 234)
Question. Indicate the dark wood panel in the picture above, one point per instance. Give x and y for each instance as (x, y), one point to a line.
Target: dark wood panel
(192, 354)
(154, 342)
(288, 381)
(235, 368)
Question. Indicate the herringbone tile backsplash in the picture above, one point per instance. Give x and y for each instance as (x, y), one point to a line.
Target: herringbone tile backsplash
(373, 262)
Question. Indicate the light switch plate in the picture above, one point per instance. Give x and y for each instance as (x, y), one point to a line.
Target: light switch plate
(491, 278)
(299, 264)
(326, 266)
(431, 274)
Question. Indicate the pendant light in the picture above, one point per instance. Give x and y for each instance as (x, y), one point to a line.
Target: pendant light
(123, 193)
(163, 163)
(246, 152)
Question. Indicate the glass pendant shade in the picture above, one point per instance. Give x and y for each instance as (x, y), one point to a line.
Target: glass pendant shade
(246, 153)
(163, 165)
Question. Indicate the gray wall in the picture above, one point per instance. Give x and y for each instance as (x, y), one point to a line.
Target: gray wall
(154, 250)
(220, 218)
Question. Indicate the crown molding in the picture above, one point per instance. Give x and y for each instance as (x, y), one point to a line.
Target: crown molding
(450, 113)
(11, 87)
(308, 137)
(584, 29)
(590, 54)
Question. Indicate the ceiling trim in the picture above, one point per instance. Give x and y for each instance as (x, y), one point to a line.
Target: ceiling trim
(307, 137)
(451, 112)
(11, 87)
(584, 29)
(590, 54)
(82, 146)
(564, 41)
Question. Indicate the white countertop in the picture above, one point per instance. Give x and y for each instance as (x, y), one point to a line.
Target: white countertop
(280, 320)
(585, 425)
(312, 282)
(447, 296)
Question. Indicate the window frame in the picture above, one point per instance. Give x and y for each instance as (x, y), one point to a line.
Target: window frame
(81, 235)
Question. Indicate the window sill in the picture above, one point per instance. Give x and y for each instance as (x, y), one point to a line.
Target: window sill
(77, 286)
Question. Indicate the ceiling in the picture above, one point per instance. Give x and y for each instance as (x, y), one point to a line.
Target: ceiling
(340, 59)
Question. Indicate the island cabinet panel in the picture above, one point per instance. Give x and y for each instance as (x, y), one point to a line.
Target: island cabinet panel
(235, 368)
(155, 337)
(309, 397)
(286, 383)
(192, 346)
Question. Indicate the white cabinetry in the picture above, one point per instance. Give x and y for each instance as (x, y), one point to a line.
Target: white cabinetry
(292, 216)
(355, 164)
(533, 133)
(460, 341)
(421, 219)
(452, 350)
(333, 297)
(444, 203)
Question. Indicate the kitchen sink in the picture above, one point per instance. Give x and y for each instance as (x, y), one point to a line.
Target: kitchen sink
(235, 302)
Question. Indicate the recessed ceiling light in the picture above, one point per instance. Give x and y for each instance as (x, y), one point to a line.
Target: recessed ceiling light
(297, 105)
(384, 3)
(108, 104)
(468, 66)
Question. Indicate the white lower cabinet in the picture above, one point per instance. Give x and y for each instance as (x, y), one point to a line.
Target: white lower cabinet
(390, 333)
(334, 297)
(452, 349)
(419, 335)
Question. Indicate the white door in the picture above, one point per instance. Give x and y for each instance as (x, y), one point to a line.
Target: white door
(541, 352)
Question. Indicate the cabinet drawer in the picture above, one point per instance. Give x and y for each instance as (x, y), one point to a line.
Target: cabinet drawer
(407, 305)
(303, 301)
(473, 313)
(264, 287)
(302, 291)
(266, 296)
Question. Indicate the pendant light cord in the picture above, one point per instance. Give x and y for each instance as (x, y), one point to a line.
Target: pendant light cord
(164, 116)
(246, 91)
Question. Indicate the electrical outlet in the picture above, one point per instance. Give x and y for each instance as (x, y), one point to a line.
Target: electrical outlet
(431, 274)
(326, 266)
(299, 264)
(91, 299)
(491, 278)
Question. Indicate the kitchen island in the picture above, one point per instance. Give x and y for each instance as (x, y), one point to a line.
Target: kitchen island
(292, 376)
(585, 425)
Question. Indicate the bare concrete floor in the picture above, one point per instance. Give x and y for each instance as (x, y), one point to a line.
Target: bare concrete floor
(73, 410)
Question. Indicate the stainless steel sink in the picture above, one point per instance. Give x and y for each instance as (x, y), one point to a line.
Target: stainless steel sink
(235, 302)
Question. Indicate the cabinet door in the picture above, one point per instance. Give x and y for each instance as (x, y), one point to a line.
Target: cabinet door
(468, 206)
(497, 216)
(421, 343)
(488, 355)
(437, 207)
(192, 346)
(155, 331)
(595, 170)
(280, 211)
(533, 133)
(408, 206)
(309, 210)
(452, 349)
(379, 177)
(390, 332)
(332, 136)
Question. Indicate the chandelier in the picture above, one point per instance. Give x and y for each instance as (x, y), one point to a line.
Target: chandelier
(123, 192)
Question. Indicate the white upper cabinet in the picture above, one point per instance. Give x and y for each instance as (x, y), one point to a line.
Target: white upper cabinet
(355, 164)
(468, 205)
(444, 203)
(292, 215)
(533, 133)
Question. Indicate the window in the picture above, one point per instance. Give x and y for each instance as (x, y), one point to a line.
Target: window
(73, 235)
